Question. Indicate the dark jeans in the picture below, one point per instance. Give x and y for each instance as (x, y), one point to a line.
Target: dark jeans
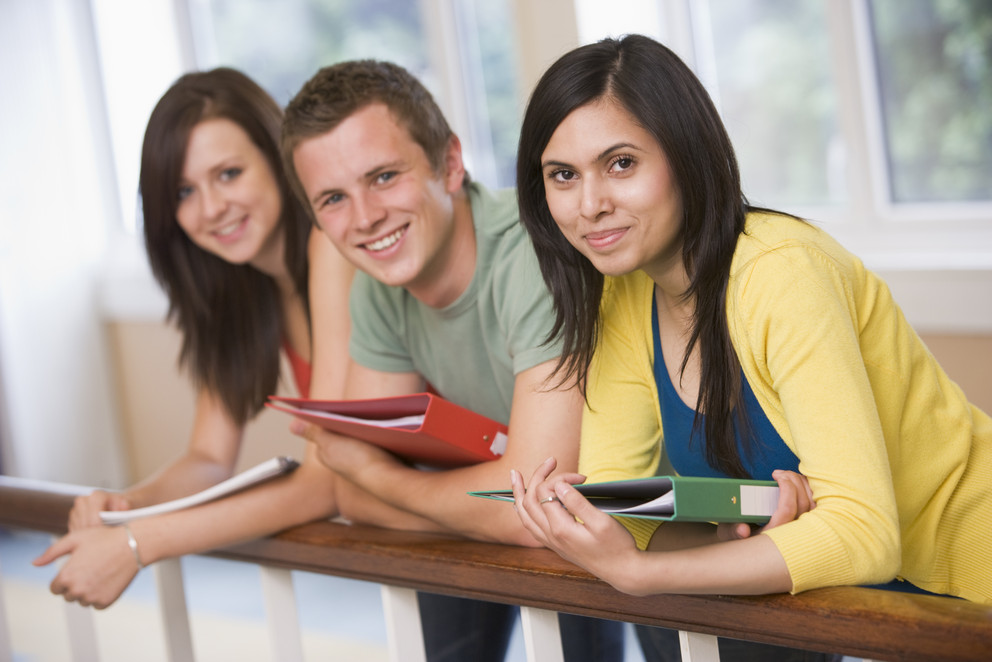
(459, 629)
(661, 645)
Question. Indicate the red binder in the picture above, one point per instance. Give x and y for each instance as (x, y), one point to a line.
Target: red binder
(421, 427)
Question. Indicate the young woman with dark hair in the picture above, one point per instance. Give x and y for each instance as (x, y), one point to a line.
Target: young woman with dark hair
(230, 244)
(236, 275)
(227, 241)
(748, 341)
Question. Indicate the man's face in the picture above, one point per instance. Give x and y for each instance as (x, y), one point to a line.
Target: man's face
(374, 193)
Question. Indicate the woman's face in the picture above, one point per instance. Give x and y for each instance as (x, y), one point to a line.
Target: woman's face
(228, 200)
(611, 192)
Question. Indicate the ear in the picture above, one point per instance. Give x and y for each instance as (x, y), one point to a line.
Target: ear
(454, 166)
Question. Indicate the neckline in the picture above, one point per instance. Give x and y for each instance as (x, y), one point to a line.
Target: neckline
(660, 364)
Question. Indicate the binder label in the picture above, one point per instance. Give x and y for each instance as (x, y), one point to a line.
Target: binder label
(758, 500)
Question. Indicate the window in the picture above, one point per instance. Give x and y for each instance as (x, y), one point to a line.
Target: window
(767, 66)
(282, 46)
(934, 72)
(781, 73)
(463, 52)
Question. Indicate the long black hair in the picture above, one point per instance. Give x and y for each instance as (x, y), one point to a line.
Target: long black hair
(663, 95)
(230, 315)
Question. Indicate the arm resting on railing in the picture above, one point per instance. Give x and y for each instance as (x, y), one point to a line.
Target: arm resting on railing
(850, 620)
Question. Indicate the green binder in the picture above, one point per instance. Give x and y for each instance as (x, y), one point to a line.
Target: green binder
(678, 498)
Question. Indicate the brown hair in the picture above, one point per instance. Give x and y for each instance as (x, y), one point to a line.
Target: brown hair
(230, 315)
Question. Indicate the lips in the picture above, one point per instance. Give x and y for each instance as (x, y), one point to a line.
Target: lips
(605, 238)
(385, 242)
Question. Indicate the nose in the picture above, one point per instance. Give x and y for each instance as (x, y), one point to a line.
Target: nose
(212, 203)
(595, 199)
(368, 211)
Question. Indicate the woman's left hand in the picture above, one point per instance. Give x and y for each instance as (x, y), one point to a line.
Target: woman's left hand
(795, 497)
(100, 566)
(558, 516)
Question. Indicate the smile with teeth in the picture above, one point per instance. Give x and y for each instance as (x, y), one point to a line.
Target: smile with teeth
(385, 242)
(228, 229)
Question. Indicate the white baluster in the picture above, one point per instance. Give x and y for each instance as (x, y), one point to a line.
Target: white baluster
(403, 630)
(81, 629)
(6, 642)
(542, 636)
(698, 647)
(82, 633)
(172, 605)
(280, 608)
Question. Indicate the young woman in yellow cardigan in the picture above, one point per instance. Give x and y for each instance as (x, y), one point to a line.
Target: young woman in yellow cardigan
(746, 340)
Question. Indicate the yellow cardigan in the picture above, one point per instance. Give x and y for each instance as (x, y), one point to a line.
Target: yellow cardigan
(899, 462)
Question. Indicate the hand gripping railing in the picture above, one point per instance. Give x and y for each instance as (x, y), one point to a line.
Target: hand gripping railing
(859, 622)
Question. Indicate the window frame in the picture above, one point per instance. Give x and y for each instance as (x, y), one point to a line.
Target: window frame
(890, 235)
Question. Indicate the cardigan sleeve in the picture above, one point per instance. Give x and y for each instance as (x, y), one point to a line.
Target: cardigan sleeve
(796, 324)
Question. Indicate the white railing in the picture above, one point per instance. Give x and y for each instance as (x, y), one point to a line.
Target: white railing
(859, 622)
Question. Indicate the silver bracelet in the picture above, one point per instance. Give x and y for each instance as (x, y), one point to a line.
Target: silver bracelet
(133, 544)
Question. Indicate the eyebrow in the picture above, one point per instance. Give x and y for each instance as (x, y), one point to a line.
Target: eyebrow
(599, 157)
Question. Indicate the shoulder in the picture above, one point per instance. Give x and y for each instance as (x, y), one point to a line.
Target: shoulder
(791, 286)
(786, 241)
(777, 253)
(507, 265)
(494, 211)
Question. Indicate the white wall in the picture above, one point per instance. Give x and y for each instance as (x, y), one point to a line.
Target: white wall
(55, 206)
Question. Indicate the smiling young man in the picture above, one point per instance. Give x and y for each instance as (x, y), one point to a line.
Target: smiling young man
(448, 293)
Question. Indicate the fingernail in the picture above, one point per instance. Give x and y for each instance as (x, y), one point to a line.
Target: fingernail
(513, 477)
(561, 489)
(296, 426)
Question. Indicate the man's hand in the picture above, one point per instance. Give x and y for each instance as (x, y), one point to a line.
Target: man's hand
(346, 456)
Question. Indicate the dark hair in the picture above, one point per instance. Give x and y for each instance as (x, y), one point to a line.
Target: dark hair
(338, 91)
(652, 84)
(230, 315)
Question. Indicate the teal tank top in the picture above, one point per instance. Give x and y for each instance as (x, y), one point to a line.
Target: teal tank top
(685, 446)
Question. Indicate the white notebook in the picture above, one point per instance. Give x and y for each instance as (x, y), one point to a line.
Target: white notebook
(277, 466)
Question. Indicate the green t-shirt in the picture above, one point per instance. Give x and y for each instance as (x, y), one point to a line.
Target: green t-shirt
(471, 350)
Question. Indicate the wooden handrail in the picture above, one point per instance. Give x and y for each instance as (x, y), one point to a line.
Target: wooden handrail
(855, 621)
